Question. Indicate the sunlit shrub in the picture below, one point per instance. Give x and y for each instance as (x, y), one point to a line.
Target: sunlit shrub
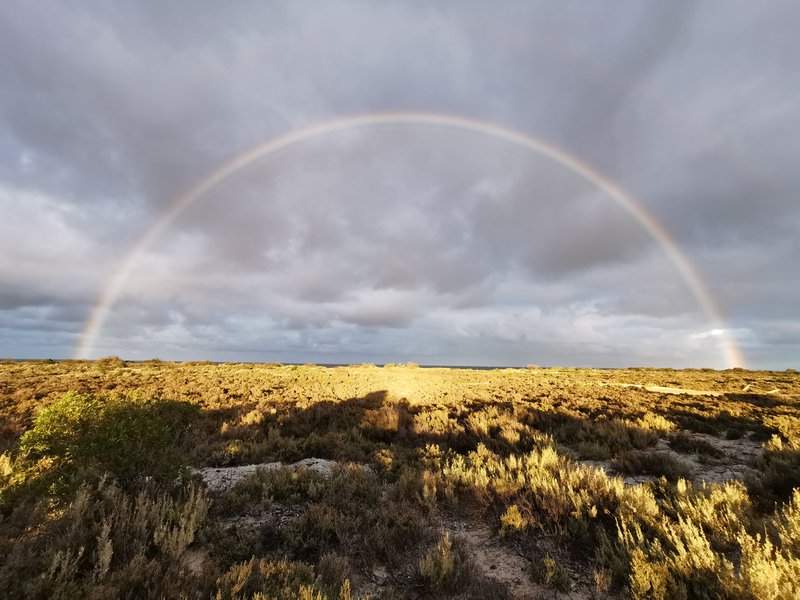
(721, 510)
(260, 579)
(678, 562)
(435, 423)
(110, 362)
(686, 552)
(6, 468)
(766, 571)
(655, 422)
(789, 428)
(556, 493)
(511, 521)
(787, 526)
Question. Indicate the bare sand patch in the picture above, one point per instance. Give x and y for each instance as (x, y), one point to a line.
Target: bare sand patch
(504, 564)
(661, 389)
(220, 479)
(736, 462)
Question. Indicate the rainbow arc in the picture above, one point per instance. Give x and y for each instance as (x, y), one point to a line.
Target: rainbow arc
(271, 148)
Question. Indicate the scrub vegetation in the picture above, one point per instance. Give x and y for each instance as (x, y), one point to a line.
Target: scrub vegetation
(428, 483)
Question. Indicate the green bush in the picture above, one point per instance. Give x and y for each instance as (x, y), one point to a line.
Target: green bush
(122, 435)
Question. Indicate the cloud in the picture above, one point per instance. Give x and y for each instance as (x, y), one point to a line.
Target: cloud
(400, 243)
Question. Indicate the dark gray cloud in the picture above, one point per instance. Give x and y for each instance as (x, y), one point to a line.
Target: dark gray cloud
(401, 243)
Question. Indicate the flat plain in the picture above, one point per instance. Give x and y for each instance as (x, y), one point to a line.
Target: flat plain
(201, 480)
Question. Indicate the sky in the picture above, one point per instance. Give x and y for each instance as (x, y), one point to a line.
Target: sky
(401, 242)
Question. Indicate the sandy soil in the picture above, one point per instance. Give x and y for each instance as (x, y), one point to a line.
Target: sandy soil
(220, 479)
(503, 563)
(661, 389)
(735, 464)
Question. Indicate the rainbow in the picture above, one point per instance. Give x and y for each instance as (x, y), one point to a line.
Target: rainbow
(240, 163)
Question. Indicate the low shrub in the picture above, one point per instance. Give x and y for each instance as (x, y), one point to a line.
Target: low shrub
(110, 362)
(268, 486)
(320, 529)
(598, 440)
(706, 544)
(689, 444)
(659, 464)
(778, 473)
(441, 570)
(334, 570)
(105, 542)
(654, 422)
(548, 571)
(260, 579)
(394, 531)
(554, 494)
(512, 521)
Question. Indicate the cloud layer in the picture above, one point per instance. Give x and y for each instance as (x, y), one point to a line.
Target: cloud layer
(401, 243)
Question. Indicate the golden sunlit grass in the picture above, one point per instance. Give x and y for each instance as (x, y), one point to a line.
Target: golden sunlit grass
(98, 498)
